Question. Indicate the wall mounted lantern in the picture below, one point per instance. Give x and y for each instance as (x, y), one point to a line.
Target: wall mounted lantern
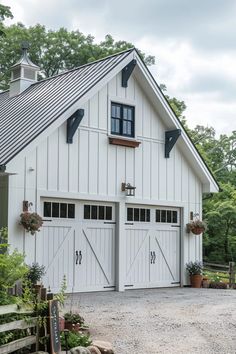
(130, 190)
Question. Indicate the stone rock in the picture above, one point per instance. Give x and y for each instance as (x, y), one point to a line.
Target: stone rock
(80, 350)
(104, 347)
(94, 350)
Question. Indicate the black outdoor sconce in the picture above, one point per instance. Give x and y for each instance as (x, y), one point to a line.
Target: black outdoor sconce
(130, 190)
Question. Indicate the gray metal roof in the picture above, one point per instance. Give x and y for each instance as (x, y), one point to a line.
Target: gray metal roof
(24, 117)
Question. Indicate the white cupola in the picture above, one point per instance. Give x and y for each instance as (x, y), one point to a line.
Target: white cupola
(23, 73)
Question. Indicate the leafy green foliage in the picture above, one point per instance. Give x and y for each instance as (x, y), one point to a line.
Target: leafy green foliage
(5, 12)
(35, 273)
(74, 318)
(55, 51)
(12, 268)
(61, 296)
(220, 238)
(75, 339)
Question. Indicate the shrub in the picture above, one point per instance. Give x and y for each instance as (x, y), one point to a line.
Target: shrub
(75, 339)
(36, 272)
(12, 268)
(74, 318)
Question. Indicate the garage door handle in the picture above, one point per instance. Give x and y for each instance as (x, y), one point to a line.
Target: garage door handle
(154, 257)
(76, 257)
(80, 257)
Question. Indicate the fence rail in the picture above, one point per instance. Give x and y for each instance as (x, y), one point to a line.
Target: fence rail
(227, 269)
(29, 339)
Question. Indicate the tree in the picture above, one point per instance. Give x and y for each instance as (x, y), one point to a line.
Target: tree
(220, 213)
(178, 106)
(55, 51)
(5, 12)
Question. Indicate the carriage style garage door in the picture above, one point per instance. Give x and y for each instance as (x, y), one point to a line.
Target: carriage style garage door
(78, 240)
(152, 247)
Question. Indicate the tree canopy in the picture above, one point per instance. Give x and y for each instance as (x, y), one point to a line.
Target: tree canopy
(55, 51)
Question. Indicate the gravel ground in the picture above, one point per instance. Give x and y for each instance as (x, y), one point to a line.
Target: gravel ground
(174, 320)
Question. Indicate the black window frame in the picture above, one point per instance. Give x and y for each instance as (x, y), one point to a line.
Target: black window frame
(53, 209)
(122, 120)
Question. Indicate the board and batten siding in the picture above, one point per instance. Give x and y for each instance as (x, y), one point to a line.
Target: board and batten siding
(91, 168)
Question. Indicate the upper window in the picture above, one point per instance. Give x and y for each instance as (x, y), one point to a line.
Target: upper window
(122, 120)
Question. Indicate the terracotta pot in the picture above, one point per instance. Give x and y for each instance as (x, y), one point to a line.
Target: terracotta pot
(61, 324)
(72, 326)
(197, 230)
(205, 283)
(196, 281)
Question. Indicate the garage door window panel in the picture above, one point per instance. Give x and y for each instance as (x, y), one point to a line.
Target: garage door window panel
(58, 210)
(97, 212)
(166, 216)
(138, 214)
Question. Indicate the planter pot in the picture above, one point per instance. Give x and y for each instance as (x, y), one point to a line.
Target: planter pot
(205, 283)
(72, 326)
(196, 281)
(197, 230)
(61, 324)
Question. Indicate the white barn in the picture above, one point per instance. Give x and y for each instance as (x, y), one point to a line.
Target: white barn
(71, 146)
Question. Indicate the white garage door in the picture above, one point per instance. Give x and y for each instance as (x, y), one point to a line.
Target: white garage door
(78, 240)
(152, 247)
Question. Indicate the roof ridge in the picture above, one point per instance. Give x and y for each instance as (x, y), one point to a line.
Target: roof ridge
(84, 65)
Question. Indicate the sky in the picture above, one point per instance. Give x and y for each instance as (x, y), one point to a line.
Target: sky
(193, 42)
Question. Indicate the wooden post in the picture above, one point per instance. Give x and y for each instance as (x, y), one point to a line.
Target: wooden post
(231, 274)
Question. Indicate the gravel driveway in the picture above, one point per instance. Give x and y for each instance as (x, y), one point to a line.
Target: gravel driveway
(175, 320)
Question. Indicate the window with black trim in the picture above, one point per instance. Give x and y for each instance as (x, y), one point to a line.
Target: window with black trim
(138, 214)
(58, 210)
(122, 120)
(97, 212)
(167, 216)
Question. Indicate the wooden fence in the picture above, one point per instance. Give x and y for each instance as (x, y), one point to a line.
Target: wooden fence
(227, 270)
(30, 324)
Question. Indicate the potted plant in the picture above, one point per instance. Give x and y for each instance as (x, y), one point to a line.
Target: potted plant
(195, 272)
(73, 321)
(35, 274)
(197, 227)
(31, 222)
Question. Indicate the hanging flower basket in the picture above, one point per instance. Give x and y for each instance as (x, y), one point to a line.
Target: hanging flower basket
(31, 222)
(197, 227)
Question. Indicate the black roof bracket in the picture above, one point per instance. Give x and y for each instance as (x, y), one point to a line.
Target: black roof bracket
(127, 71)
(171, 137)
(72, 124)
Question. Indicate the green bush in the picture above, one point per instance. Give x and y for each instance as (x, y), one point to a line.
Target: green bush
(12, 268)
(75, 339)
(35, 273)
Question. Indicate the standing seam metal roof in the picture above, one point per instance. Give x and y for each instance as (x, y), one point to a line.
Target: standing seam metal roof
(24, 117)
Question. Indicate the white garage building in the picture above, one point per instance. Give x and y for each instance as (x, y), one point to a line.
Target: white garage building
(73, 146)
